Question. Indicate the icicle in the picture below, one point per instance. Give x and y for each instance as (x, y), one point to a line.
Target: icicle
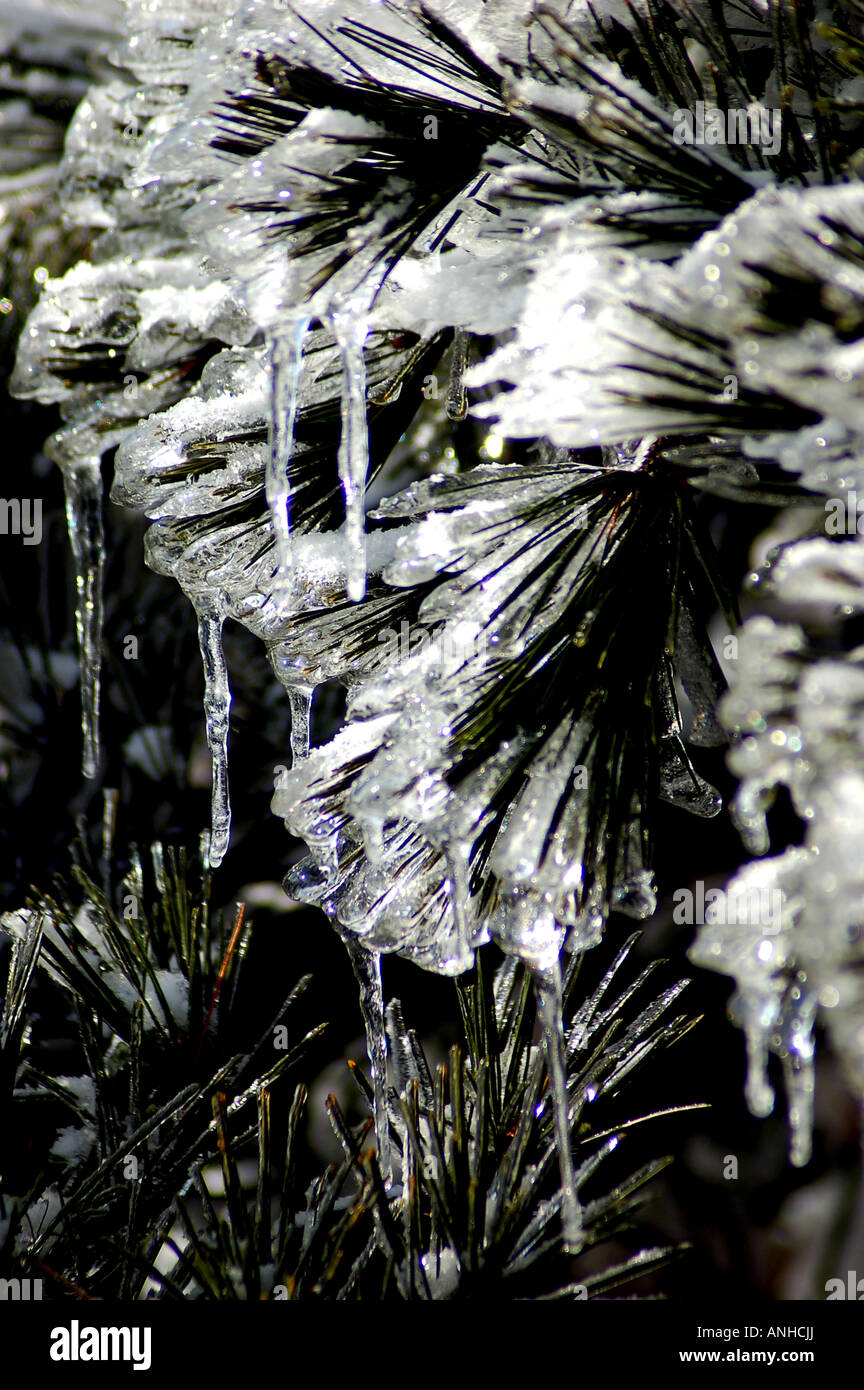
(286, 363)
(373, 838)
(350, 330)
(456, 855)
(82, 480)
(798, 1072)
(110, 798)
(799, 1095)
(547, 983)
(300, 700)
(367, 969)
(457, 397)
(758, 1091)
(217, 704)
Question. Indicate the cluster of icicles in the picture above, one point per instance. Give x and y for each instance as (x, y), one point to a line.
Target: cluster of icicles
(150, 303)
(187, 283)
(303, 565)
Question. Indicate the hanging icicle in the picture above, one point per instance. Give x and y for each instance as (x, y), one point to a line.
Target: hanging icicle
(350, 329)
(217, 706)
(547, 982)
(300, 700)
(285, 367)
(82, 480)
(457, 397)
(367, 969)
(457, 857)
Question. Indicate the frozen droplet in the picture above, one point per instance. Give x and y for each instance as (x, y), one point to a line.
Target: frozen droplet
(749, 815)
(442, 1272)
(636, 896)
(680, 785)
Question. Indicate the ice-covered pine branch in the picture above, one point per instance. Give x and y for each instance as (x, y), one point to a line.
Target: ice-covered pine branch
(301, 216)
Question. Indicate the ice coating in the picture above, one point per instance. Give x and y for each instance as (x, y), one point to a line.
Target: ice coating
(816, 365)
(617, 322)
(395, 832)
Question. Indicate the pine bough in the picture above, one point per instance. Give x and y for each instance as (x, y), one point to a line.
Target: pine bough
(320, 236)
